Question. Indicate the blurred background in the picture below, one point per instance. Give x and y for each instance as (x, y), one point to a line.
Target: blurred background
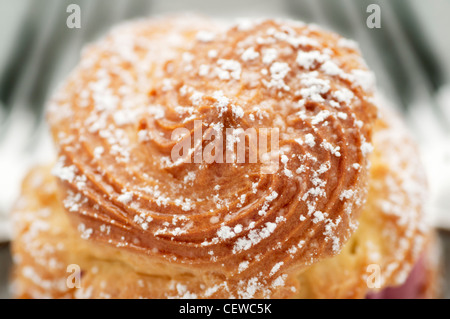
(409, 54)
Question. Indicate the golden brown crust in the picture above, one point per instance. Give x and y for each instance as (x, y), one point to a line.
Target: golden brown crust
(392, 229)
(113, 119)
(391, 234)
(165, 228)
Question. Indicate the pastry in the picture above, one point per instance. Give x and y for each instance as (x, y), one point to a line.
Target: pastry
(337, 188)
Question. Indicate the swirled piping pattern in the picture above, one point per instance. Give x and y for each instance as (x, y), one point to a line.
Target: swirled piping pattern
(115, 118)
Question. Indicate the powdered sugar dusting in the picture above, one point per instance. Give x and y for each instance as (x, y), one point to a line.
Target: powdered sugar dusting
(141, 87)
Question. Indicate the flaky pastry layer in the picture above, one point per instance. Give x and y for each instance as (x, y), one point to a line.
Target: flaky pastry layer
(392, 233)
(114, 119)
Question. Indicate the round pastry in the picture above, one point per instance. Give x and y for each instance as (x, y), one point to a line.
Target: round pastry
(203, 160)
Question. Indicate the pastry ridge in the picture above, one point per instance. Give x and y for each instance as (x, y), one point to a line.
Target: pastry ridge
(135, 88)
(131, 215)
(46, 243)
